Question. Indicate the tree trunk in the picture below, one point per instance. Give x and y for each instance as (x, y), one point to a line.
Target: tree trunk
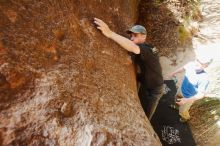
(68, 84)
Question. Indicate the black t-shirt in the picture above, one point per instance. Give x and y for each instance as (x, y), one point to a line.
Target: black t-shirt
(151, 71)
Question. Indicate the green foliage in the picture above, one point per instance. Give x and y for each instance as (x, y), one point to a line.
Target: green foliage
(183, 34)
(210, 107)
(194, 8)
(192, 13)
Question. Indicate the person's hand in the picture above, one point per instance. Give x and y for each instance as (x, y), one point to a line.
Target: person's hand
(181, 101)
(103, 27)
(169, 76)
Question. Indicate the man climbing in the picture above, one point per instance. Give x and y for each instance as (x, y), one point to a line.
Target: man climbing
(194, 85)
(151, 88)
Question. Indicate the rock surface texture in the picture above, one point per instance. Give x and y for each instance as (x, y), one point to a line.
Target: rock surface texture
(62, 82)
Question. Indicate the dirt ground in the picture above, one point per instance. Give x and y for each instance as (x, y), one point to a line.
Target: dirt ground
(205, 124)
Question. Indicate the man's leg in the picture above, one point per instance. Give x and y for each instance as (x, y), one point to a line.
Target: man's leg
(178, 95)
(184, 110)
(143, 93)
(150, 99)
(153, 100)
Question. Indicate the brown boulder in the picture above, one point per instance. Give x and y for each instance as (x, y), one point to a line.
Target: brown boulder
(65, 90)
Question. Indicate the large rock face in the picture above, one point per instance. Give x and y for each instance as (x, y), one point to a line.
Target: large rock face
(62, 82)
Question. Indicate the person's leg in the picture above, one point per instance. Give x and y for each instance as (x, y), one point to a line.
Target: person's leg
(178, 95)
(150, 99)
(184, 111)
(153, 100)
(143, 93)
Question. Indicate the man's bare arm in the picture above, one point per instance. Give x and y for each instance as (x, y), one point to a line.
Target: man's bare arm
(198, 96)
(176, 71)
(122, 41)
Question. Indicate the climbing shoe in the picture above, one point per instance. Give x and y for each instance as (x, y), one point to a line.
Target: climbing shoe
(174, 106)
